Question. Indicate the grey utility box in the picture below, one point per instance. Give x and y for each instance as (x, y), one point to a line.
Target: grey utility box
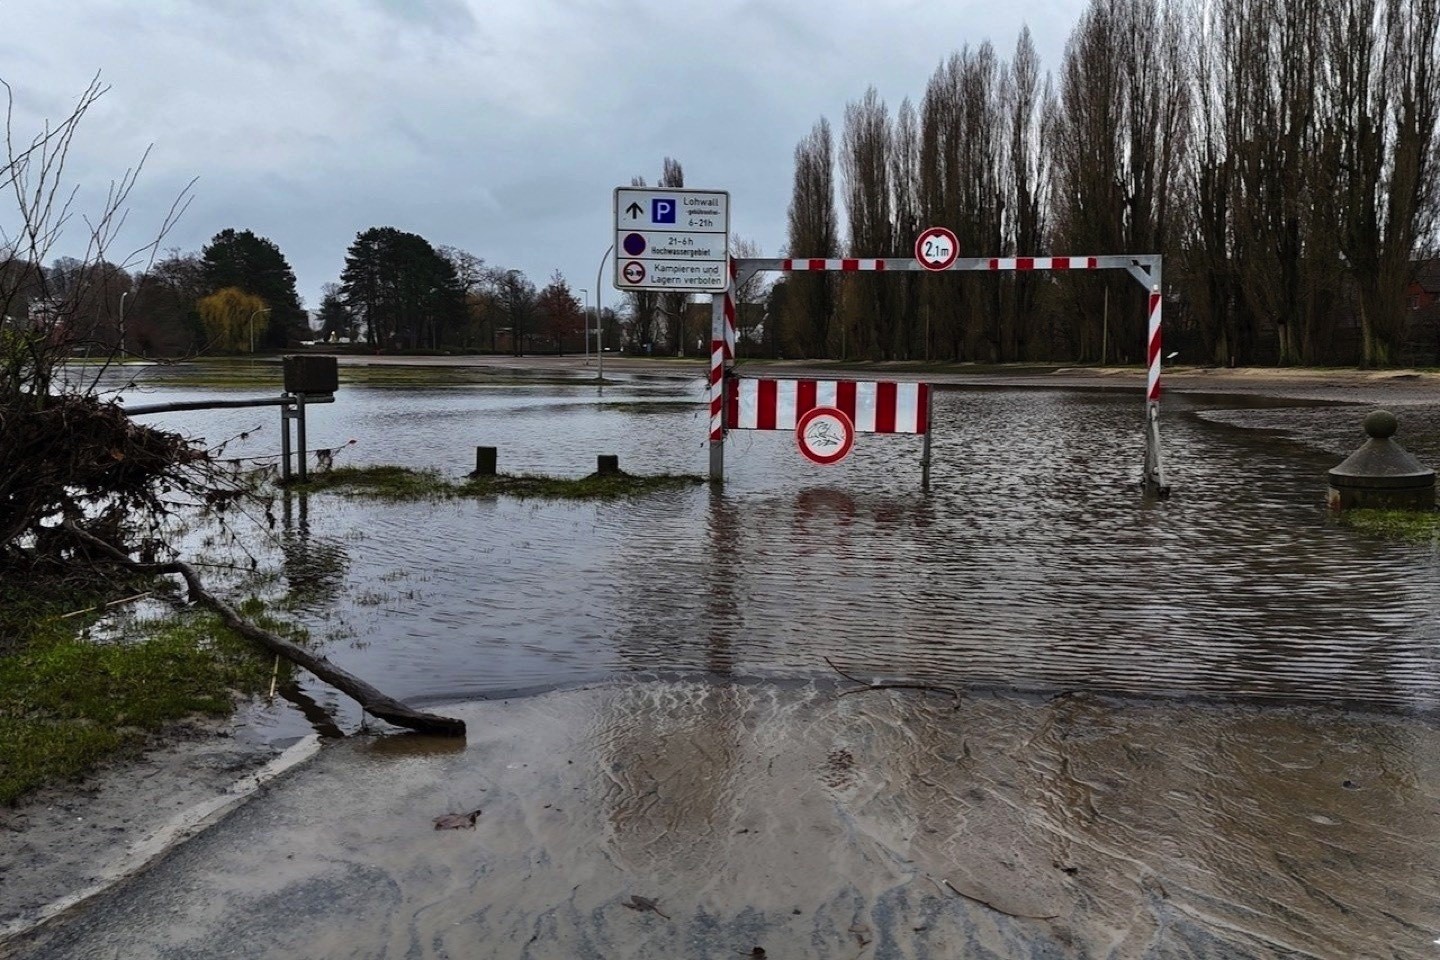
(311, 374)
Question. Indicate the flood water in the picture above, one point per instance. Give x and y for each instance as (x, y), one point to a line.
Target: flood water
(1032, 563)
(1193, 728)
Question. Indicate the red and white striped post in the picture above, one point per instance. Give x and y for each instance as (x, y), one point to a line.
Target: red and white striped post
(1154, 478)
(722, 357)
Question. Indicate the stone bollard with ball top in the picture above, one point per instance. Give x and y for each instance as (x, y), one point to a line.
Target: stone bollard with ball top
(1381, 474)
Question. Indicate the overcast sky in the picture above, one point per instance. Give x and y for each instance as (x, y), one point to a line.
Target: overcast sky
(499, 127)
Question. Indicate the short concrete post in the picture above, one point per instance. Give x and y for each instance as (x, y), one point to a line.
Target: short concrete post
(607, 463)
(1381, 474)
(485, 461)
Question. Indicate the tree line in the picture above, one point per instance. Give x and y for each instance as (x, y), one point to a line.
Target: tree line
(238, 294)
(1281, 155)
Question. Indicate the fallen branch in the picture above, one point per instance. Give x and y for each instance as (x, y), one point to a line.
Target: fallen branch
(370, 699)
(867, 687)
(105, 606)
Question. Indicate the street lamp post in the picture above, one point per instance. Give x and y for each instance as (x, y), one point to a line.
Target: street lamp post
(123, 295)
(584, 304)
(252, 327)
(600, 317)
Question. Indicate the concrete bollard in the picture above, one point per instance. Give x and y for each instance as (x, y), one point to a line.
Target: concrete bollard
(485, 461)
(1381, 474)
(607, 463)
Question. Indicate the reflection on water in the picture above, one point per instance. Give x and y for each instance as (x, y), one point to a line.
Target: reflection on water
(1031, 563)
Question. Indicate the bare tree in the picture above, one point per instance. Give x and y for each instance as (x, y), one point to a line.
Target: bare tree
(515, 297)
(644, 304)
(813, 232)
(905, 200)
(86, 312)
(866, 325)
(750, 298)
(1119, 139)
(672, 305)
(65, 454)
(1382, 138)
(1026, 183)
(961, 148)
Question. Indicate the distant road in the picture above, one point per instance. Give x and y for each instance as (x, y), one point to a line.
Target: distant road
(1356, 386)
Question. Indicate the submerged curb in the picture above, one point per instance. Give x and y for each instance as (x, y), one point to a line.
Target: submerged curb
(185, 825)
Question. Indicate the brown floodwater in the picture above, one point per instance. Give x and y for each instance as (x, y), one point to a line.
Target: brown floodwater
(1031, 563)
(806, 823)
(1200, 727)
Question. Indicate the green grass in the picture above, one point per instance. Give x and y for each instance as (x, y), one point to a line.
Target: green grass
(1415, 526)
(597, 486)
(403, 483)
(68, 703)
(380, 483)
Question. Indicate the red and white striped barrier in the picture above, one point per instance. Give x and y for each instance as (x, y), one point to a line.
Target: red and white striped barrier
(843, 266)
(873, 406)
(852, 265)
(1044, 263)
(767, 405)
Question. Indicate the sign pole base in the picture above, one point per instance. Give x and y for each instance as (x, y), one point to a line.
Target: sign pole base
(929, 426)
(1154, 480)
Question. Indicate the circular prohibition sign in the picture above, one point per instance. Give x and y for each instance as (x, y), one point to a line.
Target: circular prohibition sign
(825, 435)
(936, 248)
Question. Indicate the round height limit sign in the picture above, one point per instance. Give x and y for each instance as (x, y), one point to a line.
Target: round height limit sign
(936, 248)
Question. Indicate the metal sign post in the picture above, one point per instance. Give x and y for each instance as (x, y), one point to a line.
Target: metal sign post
(929, 425)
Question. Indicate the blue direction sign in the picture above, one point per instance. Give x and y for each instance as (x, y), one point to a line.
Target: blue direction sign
(634, 244)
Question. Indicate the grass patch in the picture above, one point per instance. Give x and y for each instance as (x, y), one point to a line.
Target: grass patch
(609, 486)
(67, 703)
(381, 483)
(1415, 526)
(404, 483)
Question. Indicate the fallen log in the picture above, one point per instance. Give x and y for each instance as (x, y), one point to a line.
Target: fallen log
(370, 699)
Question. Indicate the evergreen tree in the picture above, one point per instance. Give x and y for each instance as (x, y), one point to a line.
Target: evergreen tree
(335, 318)
(402, 291)
(256, 266)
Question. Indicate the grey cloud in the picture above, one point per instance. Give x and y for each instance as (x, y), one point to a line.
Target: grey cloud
(499, 127)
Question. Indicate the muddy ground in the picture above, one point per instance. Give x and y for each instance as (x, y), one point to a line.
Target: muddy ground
(71, 839)
(691, 819)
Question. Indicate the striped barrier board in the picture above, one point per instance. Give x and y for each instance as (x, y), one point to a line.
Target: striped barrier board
(873, 406)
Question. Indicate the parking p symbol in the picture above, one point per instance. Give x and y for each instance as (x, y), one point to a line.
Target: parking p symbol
(662, 211)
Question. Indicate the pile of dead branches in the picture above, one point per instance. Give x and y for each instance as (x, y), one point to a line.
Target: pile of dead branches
(74, 457)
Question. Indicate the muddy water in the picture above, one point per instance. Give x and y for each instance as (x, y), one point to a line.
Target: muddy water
(1031, 563)
(1194, 728)
(810, 824)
